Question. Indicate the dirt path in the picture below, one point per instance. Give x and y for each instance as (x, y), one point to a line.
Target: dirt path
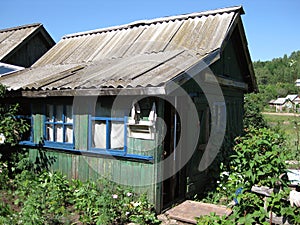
(281, 114)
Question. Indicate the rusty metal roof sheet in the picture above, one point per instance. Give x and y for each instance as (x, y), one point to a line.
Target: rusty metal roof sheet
(141, 54)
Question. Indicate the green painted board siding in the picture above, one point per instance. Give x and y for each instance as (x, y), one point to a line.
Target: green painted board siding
(81, 132)
(92, 168)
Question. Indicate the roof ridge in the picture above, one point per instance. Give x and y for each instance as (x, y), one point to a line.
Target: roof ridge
(21, 27)
(157, 20)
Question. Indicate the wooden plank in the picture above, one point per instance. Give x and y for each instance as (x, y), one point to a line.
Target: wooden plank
(147, 176)
(116, 170)
(74, 166)
(93, 168)
(189, 210)
(107, 168)
(83, 169)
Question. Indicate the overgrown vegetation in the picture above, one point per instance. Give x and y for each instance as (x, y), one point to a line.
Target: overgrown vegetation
(253, 107)
(258, 159)
(289, 126)
(50, 198)
(31, 194)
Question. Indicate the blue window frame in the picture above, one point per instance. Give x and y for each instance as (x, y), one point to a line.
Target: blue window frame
(58, 126)
(108, 135)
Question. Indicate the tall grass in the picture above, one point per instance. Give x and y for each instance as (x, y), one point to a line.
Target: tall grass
(288, 125)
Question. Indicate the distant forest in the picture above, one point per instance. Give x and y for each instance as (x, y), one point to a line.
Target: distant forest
(276, 78)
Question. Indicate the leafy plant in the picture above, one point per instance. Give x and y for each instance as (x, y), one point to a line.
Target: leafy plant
(213, 219)
(252, 111)
(11, 127)
(105, 202)
(259, 159)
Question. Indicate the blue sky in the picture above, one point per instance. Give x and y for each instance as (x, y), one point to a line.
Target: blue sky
(272, 26)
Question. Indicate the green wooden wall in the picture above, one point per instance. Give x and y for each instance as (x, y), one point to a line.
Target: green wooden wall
(92, 168)
(81, 164)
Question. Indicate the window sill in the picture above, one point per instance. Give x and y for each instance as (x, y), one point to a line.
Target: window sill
(27, 143)
(69, 149)
(58, 145)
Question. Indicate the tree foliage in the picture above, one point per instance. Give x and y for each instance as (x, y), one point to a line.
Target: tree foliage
(279, 70)
(276, 78)
(252, 112)
(11, 127)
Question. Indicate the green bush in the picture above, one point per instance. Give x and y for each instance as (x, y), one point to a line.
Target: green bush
(105, 202)
(253, 106)
(49, 198)
(259, 159)
(11, 127)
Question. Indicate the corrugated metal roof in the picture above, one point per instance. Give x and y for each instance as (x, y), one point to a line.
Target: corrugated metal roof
(279, 101)
(12, 37)
(141, 54)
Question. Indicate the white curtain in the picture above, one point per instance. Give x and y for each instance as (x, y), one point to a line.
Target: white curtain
(69, 119)
(152, 115)
(59, 133)
(49, 132)
(117, 135)
(69, 134)
(99, 135)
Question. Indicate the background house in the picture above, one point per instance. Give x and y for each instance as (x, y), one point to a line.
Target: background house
(23, 45)
(287, 103)
(73, 87)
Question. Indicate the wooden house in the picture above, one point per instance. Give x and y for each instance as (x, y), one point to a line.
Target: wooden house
(285, 103)
(23, 45)
(120, 102)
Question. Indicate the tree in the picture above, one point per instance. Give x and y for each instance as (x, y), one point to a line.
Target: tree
(11, 127)
(252, 112)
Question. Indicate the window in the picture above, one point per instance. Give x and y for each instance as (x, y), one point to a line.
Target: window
(59, 126)
(108, 135)
(25, 116)
(108, 131)
(27, 137)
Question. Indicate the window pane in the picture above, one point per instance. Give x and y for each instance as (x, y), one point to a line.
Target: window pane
(69, 134)
(99, 134)
(69, 112)
(49, 113)
(58, 133)
(59, 113)
(117, 135)
(49, 133)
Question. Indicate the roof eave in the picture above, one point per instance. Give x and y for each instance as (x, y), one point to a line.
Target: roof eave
(149, 91)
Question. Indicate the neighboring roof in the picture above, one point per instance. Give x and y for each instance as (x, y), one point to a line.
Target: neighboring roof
(11, 39)
(272, 101)
(291, 97)
(279, 101)
(6, 69)
(139, 55)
